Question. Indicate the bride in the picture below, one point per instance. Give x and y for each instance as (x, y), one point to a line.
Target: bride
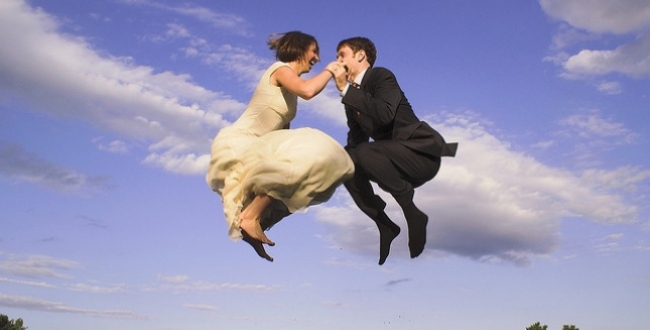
(263, 170)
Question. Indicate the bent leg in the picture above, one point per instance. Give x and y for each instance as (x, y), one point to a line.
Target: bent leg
(373, 206)
(251, 216)
(363, 194)
(395, 167)
(397, 170)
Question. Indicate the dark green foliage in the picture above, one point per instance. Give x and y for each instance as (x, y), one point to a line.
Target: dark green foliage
(537, 326)
(7, 324)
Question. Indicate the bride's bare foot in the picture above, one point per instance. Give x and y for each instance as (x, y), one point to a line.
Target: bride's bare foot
(257, 245)
(254, 230)
(250, 218)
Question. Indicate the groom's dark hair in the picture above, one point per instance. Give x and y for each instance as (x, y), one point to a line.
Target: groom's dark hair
(360, 43)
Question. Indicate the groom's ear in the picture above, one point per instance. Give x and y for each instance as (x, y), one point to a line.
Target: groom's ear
(362, 56)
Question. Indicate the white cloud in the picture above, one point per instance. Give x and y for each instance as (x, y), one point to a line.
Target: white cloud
(327, 105)
(64, 76)
(175, 30)
(183, 164)
(595, 18)
(115, 146)
(612, 16)
(568, 36)
(632, 59)
(491, 203)
(610, 87)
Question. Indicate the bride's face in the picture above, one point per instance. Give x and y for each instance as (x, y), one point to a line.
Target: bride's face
(310, 58)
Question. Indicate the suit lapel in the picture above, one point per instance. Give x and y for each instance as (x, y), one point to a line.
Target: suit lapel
(366, 78)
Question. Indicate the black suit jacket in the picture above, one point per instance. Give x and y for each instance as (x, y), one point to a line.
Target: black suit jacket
(379, 110)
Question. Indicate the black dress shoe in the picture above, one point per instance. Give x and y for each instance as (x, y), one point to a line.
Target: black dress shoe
(416, 221)
(417, 224)
(388, 230)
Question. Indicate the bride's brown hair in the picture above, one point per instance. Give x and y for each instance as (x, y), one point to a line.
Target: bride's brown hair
(291, 46)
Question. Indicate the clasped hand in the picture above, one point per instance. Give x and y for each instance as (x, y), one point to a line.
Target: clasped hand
(339, 72)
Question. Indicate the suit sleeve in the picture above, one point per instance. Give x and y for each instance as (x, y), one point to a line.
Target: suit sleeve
(378, 107)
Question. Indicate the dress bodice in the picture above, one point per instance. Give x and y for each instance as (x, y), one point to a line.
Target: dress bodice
(270, 108)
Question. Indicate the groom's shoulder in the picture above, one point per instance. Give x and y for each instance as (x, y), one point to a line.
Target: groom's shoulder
(381, 71)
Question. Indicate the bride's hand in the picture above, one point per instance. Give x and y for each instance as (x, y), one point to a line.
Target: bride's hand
(335, 68)
(339, 73)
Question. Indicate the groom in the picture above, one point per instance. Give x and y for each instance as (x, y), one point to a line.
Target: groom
(404, 152)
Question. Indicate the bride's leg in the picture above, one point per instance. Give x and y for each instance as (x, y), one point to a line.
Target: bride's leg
(251, 216)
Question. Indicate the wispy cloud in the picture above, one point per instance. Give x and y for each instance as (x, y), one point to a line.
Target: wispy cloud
(36, 266)
(183, 283)
(609, 87)
(593, 125)
(201, 307)
(29, 303)
(83, 287)
(174, 279)
(226, 21)
(586, 135)
(29, 283)
(18, 164)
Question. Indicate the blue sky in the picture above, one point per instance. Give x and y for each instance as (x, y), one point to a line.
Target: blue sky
(107, 110)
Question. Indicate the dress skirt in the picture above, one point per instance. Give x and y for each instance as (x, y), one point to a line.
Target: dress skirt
(297, 167)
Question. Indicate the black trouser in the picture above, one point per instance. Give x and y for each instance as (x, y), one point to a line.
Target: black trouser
(393, 166)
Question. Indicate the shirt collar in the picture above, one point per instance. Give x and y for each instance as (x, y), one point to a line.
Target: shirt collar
(359, 77)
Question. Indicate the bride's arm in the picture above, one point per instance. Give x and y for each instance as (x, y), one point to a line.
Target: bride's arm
(305, 89)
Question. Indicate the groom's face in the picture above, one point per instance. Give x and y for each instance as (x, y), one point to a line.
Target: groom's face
(347, 57)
